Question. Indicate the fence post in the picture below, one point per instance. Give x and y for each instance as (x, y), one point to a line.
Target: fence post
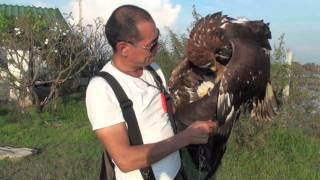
(286, 90)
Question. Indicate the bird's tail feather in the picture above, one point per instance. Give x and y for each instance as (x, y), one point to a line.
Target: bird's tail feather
(266, 108)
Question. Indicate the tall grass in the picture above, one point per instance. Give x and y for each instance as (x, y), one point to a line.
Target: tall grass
(288, 154)
(68, 149)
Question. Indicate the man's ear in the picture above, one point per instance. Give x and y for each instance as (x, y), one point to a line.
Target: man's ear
(122, 48)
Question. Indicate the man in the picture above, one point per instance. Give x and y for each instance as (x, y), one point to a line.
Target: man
(133, 35)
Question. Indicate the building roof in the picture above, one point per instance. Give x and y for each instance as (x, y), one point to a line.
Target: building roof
(16, 11)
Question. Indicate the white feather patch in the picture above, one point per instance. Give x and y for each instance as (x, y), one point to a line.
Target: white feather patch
(224, 20)
(223, 26)
(253, 77)
(206, 65)
(220, 100)
(194, 37)
(204, 88)
(230, 114)
(228, 100)
(190, 92)
(222, 57)
(225, 100)
(204, 44)
(240, 20)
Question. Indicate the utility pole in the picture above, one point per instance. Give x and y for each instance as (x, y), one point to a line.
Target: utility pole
(80, 12)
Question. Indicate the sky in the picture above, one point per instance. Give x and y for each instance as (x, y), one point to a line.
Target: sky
(299, 20)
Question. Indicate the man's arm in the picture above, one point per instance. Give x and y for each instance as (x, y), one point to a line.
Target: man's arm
(128, 158)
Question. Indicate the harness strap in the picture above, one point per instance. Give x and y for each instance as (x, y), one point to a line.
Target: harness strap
(181, 175)
(167, 96)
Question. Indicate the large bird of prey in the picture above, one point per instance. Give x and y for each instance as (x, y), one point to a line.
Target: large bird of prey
(226, 66)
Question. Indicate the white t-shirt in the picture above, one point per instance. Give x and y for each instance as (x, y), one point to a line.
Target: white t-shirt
(104, 110)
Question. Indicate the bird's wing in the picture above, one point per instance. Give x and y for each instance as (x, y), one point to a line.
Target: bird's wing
(178, 72)
(246, 79)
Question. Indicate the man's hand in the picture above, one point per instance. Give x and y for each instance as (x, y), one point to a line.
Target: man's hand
(199, 131)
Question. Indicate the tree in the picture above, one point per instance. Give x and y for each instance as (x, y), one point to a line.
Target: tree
(196, 17)
(280, 70)
(42, 52)
(284, 74)
(280, 52)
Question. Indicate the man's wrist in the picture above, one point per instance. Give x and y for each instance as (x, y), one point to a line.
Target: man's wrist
(182, 139)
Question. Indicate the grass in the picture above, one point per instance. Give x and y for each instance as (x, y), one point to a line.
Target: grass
(68, 149)
(288, 154)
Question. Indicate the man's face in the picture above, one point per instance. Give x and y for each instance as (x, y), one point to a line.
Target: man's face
(143, 52)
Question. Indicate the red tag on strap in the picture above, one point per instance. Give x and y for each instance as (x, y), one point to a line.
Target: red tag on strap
(164, 102)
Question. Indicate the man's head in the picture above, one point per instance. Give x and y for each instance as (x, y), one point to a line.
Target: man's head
(133, 35)
(121, 25)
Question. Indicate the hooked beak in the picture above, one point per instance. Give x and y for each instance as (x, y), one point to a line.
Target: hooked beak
(213, 68)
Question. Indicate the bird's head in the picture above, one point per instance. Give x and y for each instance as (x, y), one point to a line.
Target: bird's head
(210, 40)
(205, 38)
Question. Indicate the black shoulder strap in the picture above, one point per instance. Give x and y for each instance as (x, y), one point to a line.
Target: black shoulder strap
(129, 116)
(126, 107)
(167, 95)
(107, 168)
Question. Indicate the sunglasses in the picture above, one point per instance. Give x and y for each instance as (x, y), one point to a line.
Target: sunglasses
(152, 47)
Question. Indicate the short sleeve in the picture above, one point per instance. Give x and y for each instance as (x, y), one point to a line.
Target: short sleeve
(103, 108)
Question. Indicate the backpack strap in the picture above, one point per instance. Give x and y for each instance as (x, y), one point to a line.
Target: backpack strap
(126, 105)
(107, 168)
(163, 90)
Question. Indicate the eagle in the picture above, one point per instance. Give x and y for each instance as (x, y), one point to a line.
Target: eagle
(225, 71)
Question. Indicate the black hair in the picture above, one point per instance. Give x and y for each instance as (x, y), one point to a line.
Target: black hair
(121, 26)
